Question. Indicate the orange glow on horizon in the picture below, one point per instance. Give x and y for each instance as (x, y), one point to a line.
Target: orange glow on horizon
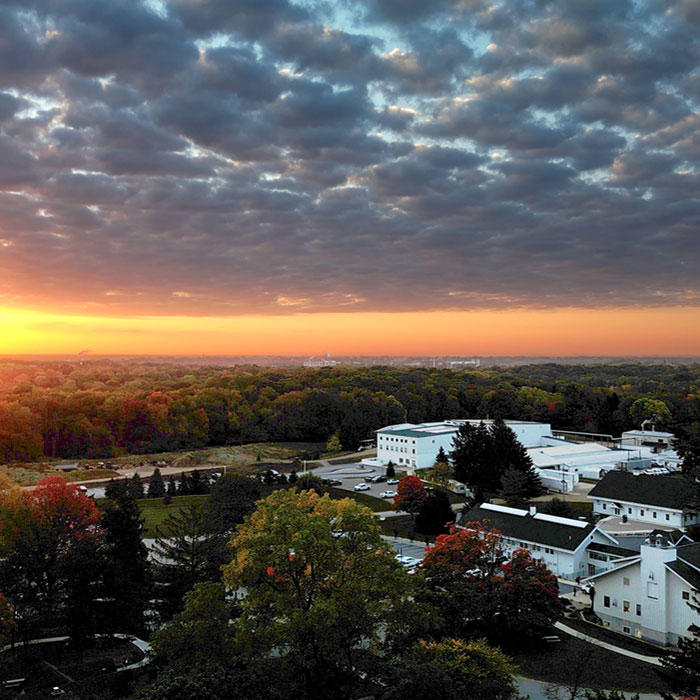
(671, 331)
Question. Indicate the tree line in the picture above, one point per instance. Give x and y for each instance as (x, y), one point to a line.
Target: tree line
(101, 409)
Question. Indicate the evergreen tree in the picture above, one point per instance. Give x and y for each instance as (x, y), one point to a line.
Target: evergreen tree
(127, 570)
(183, 485)
(293, 476)
(156, 487)
(233, 497)
(514, 488)
(390, 470)
(441, 456)
(172, 487)
(197, 483)
(435, 513)
(472, 456)
(509, 453)
(115, 488)
(187, 552)
(135, 486)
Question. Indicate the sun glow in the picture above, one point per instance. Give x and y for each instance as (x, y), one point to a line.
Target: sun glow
(663, 331)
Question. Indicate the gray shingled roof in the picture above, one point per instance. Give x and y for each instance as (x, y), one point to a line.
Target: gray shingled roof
(661, 491)
(612, 549)
(530, 529)
(687, 573)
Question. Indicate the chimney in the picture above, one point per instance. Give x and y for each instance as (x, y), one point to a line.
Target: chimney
(533, 510)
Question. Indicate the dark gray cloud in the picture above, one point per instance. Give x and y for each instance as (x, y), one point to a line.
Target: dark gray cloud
(272, 156)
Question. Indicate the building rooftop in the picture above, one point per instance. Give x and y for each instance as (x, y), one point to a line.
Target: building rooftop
(663, 491)
(517, 524)
(648, 433)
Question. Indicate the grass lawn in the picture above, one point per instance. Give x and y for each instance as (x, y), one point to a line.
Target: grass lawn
(375, 504)
(606, 635)
(154, 511)
(573, 661)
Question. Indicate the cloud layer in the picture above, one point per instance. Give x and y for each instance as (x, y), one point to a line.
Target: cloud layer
(221, 157)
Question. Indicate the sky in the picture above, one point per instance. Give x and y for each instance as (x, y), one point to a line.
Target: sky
(366, 176)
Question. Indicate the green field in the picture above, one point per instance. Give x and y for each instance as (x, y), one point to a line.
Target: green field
(154, 510)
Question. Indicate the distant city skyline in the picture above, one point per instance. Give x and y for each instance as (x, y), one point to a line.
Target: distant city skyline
(381, 177)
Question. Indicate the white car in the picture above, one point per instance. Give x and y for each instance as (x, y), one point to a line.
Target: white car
(362, 487)
(391, 482)
(387, 494)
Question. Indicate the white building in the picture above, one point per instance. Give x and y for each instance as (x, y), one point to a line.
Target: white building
(657, 500)
(569, 548)
(656, 440)
(415, 446)
(647, 596)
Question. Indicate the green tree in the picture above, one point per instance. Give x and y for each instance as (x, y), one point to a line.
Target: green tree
(472, 457)
(514, 488)
(233, 496)
(156, 486)
(648, 409)
(127, 580)
(390, 470)
(452, 669)
(135, 486)
(333, 444)
(187, 552)
(435, 514)
(311, 594)
(195, 654)
(440, 473)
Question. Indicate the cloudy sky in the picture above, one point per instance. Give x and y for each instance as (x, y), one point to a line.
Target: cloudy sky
(354, 159)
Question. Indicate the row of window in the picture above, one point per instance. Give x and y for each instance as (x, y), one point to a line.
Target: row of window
(396, 448)
(626, 605)
(642, 511)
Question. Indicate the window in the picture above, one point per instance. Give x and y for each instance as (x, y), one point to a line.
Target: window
(547, 550)
(605, 507)
(625, 581)
(638, 609)
(606, 601)
(626, 629)
(653, 514)
(652, 589)
(626, 606)
(686, 595)
(629, 510)
(641, 512)
(668, 517)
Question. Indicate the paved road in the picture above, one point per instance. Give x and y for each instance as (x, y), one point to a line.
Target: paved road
(537, 690)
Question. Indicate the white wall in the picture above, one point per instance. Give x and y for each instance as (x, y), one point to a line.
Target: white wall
(646, 514)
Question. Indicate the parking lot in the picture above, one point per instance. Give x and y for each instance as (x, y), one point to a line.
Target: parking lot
(352, 474)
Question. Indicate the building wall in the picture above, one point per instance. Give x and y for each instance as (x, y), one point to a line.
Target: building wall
(643, 513)
(663, 615)
(411, 452)
(680, 614)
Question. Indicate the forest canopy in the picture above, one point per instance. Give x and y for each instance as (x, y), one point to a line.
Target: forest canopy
(102, 408)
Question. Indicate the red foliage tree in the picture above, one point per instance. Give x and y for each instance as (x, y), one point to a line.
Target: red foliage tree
(410, 495)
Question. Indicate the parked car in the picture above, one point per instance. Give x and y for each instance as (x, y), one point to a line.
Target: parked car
(362, 487)
(333, 482)
(388, 494)
(377, 479)
(392, 481)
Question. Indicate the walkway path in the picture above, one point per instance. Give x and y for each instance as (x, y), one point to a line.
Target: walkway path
(605, 645)
(539, 690)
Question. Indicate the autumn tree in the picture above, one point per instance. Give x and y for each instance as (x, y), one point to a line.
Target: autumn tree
(320, 581)
(40, 531)
(476, 590)
(410, 495)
